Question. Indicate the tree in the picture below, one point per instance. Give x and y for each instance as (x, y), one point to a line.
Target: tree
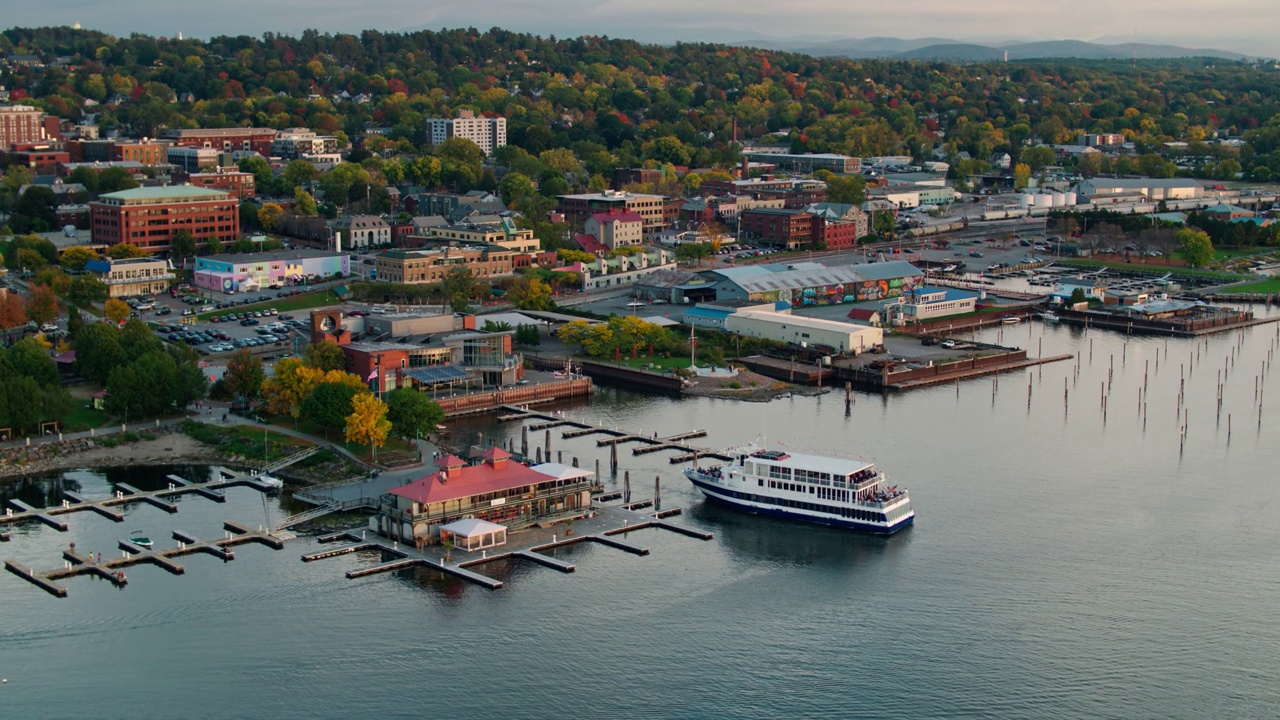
(28, 357)
(271, 215)
(86, 290)
(31, 260)
(1195, 247)
(303, 203)
(98, 351)
(1021, 175)
(42, 306)
(244, 374)
(458, 285)
(183, 244)
(851, 190)
(514, 186)
(213, 245)
(1038, 157)
(76, 256)
(368, 424)
(288, 387)
(13, 312)
(136, 339)
(693, 252)
(528, 335)
(114, 179)
(530, 293)
(35, 210)
(325, 355)
(125, 251)
(412, 413)
(116, 310)
(298, 173)
(329, 404)
(261, 169)
(75, 323)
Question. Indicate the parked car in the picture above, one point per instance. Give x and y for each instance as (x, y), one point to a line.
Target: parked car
(974, 253)
(948, 344)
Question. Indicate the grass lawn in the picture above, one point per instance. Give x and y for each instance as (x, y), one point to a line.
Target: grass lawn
(305, 301)
(660, 364)
(1151, 269)
(246, 441)
(1262, 286)
(1230, 253)
(85, 417)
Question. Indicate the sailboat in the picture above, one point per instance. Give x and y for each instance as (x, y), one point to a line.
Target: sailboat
(265, 477)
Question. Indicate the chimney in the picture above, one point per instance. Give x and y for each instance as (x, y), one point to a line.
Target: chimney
(746, 172)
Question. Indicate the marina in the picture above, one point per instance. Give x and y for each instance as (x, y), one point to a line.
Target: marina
(604, 526)
(111, 569)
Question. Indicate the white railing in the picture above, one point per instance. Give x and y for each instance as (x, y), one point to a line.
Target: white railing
(306, 515)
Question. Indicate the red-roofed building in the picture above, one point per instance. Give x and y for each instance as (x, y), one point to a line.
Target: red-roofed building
(871, 316)
(589, 243)
(616, 229)
(497, 489)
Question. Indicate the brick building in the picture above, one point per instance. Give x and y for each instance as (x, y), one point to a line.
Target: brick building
(240, 184)
(149, 217)
(20, 124)
(256, 139)
(417, 267)
(825, 225)
(43, 158)
(626, 176)
(656, 210)
(144, 152)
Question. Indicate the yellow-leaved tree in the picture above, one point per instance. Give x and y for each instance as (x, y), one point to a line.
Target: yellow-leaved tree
(116, 310)
(368, 423)
(292, 381)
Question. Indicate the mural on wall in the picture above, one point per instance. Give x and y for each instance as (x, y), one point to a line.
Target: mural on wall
(823, 295)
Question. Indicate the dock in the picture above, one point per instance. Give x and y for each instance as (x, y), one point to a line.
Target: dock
(111, 569)
(647, 443)
(603, 527)
(126, 494)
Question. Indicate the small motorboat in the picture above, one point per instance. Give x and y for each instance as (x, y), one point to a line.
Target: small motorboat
(1049, 316)
(1010, 319)
(141, 540)
(270, 481)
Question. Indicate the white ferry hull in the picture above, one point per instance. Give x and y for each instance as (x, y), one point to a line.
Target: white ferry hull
(773, 507)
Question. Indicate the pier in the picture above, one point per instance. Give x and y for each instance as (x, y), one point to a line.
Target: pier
(616, 437)
(111, 569)
(533, 545)
(126, 494)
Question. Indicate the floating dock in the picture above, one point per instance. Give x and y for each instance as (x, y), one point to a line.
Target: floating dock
(648, 444)
(126, 494)
(533, 545)
(111, 569)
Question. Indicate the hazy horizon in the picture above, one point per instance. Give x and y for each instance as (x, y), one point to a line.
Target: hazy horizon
(1174, 22)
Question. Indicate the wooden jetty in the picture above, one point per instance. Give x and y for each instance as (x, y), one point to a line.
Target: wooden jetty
(604, 525)
(647, 444)
(111, 569)
(126, 494)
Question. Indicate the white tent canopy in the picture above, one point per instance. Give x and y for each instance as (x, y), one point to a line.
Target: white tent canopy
(473, 534)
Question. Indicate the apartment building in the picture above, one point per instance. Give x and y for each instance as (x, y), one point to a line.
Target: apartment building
(489, 133)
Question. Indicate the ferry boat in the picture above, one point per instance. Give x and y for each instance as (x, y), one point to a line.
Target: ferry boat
(814, 488)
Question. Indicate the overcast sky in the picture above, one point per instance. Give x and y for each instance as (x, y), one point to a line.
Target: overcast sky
(1240, 25)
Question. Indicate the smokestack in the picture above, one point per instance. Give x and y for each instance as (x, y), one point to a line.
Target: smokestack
(746, 172)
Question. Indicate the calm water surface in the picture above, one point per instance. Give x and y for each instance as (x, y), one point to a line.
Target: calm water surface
(1060, 567)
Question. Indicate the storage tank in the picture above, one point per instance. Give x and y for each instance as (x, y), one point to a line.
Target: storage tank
(1044, 201)
(1068, 198)
(1027, 200)
(1058, 200)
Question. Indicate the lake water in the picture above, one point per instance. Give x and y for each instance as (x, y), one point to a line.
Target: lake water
(1059, 567)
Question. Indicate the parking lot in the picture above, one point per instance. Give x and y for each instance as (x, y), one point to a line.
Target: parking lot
(261, 330)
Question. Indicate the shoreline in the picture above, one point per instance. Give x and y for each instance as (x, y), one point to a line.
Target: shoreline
(168, 447)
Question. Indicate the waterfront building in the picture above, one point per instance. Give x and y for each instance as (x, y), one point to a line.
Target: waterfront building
(927, 303)
(149, 217)
(497, 489)
(801, 331)
(249, 272)
(804, 284)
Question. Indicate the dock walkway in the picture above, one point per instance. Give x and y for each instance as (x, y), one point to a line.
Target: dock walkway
(532, 545)
(111, 569)
(126, 494)
(616, 437)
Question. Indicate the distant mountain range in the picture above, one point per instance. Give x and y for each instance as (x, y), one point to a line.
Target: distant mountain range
(954, 50)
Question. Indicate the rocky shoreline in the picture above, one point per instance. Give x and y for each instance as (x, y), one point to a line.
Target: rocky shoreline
(749, 387)
(159, 446)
